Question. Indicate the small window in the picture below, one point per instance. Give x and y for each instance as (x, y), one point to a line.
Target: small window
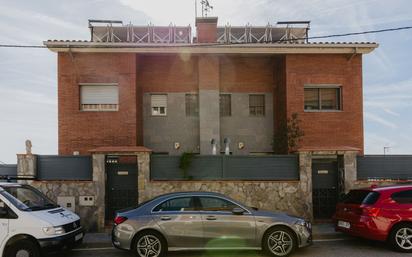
(159, 105)
(176, 204)
(257, 105)
(322, 98)
(99, 97)
(404, 197)
(225, 105)
(216, 204)
(192, 104)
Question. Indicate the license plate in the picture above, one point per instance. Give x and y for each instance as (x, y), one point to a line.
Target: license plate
(78, 237)
(343, 224)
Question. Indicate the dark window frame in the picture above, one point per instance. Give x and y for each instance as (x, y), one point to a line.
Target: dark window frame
(319, 88)
(253, 108)
(191, 109)
(225, 106)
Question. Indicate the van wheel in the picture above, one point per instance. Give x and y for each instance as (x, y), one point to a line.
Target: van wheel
(23, 248)
(279, 241)
(150, 244)
(401, 238)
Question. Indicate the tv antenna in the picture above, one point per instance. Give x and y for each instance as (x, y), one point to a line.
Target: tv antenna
(206, 7)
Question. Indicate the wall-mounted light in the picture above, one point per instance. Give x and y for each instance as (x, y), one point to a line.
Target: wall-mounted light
(241, 145)
(176, 145)
(76, 153)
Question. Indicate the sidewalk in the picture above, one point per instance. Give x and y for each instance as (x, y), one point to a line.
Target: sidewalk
(324, 231)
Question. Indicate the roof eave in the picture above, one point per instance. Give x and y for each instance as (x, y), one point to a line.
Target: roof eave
(313, 48)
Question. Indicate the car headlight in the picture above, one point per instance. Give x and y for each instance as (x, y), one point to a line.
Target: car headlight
(303, 223)
(58, 230)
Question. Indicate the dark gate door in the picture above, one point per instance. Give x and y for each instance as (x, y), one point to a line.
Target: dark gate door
(325, 188)
(121, 189)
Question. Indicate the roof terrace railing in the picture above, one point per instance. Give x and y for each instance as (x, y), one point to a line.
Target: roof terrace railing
(112, 32)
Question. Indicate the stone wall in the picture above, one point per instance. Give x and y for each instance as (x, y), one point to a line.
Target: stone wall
(54, 189)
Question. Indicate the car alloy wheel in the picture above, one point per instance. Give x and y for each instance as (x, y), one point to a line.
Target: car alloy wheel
(149, 246)
(280, 242)
(403, 238)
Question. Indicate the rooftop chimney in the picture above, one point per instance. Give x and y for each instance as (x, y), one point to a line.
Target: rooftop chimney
(206, 29)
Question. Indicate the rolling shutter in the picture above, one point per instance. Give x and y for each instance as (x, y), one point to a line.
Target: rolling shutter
(159, 100)
(99, 94)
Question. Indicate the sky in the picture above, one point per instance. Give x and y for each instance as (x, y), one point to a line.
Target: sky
(28, 77)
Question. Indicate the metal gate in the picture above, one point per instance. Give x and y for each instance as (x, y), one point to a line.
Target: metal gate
(325, 188)
(121, 186)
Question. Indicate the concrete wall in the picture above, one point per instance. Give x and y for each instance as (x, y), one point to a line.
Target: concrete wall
(255, 132)
(161, 132)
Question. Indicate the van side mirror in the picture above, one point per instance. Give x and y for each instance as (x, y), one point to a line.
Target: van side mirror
(3, 211)
(238, 211)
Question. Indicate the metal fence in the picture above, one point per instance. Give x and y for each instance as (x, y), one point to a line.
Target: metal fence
(395, 167)
(8, 169)
(53, 167)
(274, 167)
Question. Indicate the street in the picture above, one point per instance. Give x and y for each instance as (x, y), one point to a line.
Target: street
(344, 248)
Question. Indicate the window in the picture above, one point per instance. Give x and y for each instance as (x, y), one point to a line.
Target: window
(99, 97)
(225, 105)
(322, 98)
(257, 105)
(176, 204)
(404, 197)
(361, 197)
(159, 105)
(216, 204)
(192, 105)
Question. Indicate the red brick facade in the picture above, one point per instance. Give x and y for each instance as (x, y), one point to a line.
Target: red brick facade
(282, 75)
(83, 131)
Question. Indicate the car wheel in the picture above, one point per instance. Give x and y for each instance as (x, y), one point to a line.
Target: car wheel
(401, 238)
(150, 244)
(279, 241)
(25, 247)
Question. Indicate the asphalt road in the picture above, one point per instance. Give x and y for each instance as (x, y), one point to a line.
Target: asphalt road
(346, 248)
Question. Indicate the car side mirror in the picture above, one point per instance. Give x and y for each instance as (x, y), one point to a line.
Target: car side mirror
(238, 211)
(3, 210)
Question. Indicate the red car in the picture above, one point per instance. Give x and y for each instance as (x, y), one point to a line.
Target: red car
(378, 213)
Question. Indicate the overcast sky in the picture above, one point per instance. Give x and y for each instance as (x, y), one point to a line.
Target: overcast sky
(28, 86)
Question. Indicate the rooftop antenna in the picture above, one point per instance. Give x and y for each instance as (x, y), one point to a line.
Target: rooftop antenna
(206, 7)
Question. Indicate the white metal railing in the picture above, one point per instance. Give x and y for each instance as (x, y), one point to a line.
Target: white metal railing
(141, 34)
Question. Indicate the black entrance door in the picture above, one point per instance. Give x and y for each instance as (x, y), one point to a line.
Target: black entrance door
(121, 189)
(325, 188)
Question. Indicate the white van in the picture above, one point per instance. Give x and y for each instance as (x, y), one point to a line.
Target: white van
(31, 224)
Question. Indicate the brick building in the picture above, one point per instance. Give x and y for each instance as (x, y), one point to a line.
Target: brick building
(157, 87)
(132, 91)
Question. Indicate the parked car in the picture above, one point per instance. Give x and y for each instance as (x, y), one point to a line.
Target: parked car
(205, 220)
(31, 224)
(378, 213)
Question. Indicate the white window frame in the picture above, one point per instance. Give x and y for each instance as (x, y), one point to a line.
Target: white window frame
(158, 106)
(98, 107)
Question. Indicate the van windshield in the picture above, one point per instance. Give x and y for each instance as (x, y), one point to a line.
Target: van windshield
(27, 198)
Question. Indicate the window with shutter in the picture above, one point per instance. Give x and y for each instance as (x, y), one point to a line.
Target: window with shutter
(225, 105)
(159, 105)
(99, 97)
(322, 98)
(192, 104)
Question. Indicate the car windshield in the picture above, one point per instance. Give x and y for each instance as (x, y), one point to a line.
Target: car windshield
(361, 197)
(26, 198)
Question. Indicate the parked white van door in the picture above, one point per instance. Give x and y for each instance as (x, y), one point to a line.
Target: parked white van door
(4, 222)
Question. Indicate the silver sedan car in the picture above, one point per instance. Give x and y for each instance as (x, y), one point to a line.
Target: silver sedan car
(206, 221)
